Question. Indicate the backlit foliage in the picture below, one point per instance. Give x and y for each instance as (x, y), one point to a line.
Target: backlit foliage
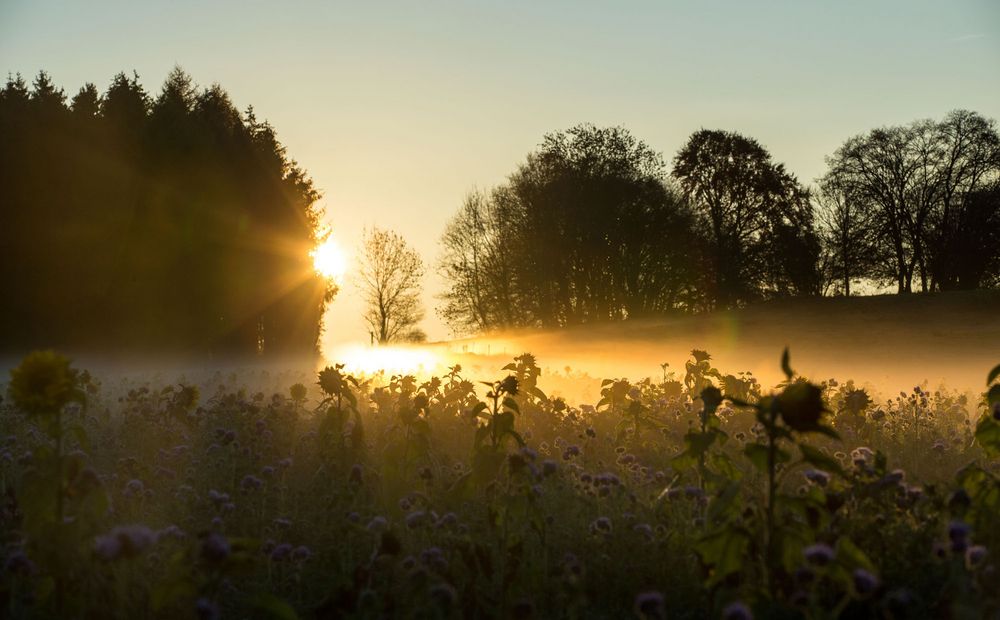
(704, 495)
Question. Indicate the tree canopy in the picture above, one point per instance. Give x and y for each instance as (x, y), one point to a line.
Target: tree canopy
(389, 274)
(167, 222)
(928, 191)
(586, 229)
(755, 217)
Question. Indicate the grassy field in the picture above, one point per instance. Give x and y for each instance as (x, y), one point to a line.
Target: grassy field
(701, 492)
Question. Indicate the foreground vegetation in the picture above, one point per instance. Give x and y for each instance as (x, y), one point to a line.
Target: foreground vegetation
(697, 494)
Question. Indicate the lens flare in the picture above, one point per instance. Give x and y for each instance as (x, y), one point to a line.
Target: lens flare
(329, 260)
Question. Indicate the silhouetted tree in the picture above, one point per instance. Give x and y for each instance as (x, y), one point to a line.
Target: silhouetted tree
(847, 233)
(755, 217)
(479, 266)
(970, 249)
(388, 277)
(914, 181)
(585, 230)
(165, 223)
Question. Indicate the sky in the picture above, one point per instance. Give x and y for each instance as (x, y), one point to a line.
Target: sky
(398, 110)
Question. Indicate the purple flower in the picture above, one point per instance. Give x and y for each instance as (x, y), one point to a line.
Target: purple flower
(281, 552)
(134, 488)
(215, 548)
(865, 583)
(449, 519)
(206, 609)
(817, 477)
(357, 474)
(171, 531)
(434, 559)
(251, 483)
(377, 524)
(694, 492)
(644, 529)
(549, 467)
(737, 611)
(415, 519)
(895, 475)
(124, 541)
(975, 556)
(650, 605)
(819, 554)
(301, 553)
(958, 534)
(600, 525)
(609, 479)
(18, 563)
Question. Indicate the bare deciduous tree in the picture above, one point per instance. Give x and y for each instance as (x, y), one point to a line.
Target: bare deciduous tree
(388, 278)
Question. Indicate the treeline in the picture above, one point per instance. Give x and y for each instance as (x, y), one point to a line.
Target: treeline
(167, 222)
(592, 227)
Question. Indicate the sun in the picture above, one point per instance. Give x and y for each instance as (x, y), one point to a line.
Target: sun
(329, 260)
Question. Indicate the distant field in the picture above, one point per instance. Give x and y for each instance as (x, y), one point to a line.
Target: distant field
(890, 342)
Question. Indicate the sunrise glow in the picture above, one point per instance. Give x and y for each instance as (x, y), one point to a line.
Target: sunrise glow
(329, 260)
(392, 360)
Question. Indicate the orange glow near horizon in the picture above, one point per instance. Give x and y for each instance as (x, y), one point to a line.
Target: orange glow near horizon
(392, 360)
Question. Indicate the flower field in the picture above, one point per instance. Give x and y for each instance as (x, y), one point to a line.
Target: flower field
(698, 494)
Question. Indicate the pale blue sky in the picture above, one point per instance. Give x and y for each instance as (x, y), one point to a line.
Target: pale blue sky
(398, 109)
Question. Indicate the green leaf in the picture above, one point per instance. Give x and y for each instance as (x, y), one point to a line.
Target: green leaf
(517, 437)
(818, 459)
(723, 550)
(175, 588)
(785, 367)
(44, 588)
(853, 557)
(993, 396)
(993, 374)
(504, 422)
(724, 465)
(757, 453)
(698, 443)
(511, 404)
(81, 436)
(988, 435)
(607, 382)
(725, 502)
(275, 607)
